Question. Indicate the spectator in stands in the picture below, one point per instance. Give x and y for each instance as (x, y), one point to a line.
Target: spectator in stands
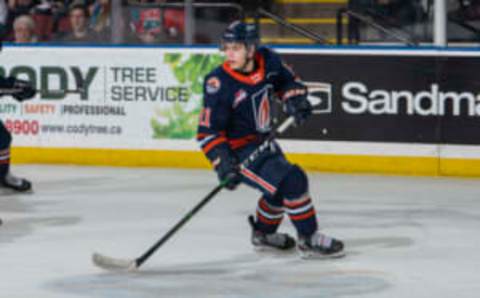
(17, 8)
(24, 29)
(80, 31)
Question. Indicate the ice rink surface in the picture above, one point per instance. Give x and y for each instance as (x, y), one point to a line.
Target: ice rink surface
(405, 237)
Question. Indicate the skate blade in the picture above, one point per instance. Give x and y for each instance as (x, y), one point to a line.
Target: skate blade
(319, 256)
(269, 250)
(5, 191)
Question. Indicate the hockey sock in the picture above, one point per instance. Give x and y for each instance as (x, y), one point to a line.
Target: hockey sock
(297, 202)
(269, 215)
(5, 141)
(302, 214)
(4, 162)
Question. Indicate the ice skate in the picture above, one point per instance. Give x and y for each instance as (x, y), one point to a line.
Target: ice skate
(276, 241)
(15, 183)
(320, 246)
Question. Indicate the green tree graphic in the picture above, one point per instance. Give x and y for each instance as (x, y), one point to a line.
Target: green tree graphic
(182, 124)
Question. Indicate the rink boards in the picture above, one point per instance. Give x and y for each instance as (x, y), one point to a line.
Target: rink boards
(389, 110)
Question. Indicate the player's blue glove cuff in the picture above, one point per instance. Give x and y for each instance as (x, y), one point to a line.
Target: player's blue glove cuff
(228, 169)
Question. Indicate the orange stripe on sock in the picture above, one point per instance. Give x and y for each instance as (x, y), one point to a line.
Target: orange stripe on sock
(265, 207)
(304, 216)
(296, 203)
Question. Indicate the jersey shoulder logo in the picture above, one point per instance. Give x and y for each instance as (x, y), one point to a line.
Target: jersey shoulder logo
(213, 85)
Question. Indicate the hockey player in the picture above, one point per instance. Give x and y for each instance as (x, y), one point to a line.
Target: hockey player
(237, 117)
(20, 90)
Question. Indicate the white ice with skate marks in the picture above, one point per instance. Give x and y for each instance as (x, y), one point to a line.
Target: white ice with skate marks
(405, 237)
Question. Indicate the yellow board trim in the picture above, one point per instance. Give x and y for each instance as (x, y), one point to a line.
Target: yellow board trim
(110, 157)
(417, 166)
(459, 167)
(396, 165)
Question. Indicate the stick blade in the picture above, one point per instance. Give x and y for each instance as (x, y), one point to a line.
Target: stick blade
(113, 264)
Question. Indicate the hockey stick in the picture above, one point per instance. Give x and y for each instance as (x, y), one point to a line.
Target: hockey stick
(66, 91)
(110, 263)
(12, 91)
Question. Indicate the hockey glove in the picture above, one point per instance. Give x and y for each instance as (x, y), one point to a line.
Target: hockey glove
(21, 90)
(228, 169)
(297, 105)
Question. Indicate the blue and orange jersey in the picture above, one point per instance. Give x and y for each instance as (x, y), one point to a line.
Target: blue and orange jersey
(237, 107)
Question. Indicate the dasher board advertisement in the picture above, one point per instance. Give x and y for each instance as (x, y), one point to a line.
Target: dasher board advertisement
(391, 98)
(125, 98)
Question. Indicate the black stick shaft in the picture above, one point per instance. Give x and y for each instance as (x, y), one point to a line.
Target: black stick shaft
(140, 260)
(11, 91)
